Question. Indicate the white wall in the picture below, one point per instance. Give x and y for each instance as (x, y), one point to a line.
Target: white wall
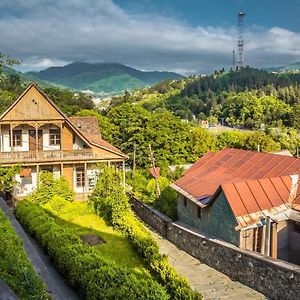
(5, 147)
(26, 185)
(92, 174)
(46, 138)
(78, 143)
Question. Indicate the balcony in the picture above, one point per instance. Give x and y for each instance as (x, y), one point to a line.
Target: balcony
(45, 156)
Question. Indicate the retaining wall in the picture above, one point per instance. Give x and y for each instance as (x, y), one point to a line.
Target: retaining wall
(274, 278)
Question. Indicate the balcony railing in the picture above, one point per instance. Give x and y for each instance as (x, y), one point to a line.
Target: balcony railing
(44, 156)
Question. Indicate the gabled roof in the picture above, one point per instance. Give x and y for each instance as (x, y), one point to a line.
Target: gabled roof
(255, 184)
(230, 165)
(253, 200)
(89, 127)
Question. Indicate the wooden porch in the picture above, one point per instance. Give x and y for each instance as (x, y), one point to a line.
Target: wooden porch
(46, 156)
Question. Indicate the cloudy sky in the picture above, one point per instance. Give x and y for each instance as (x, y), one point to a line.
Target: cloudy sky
(186, 36)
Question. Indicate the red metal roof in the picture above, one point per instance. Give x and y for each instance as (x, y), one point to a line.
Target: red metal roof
(230, 165)
(251, 181)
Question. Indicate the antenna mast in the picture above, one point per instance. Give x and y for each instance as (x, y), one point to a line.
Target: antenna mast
(241, 16)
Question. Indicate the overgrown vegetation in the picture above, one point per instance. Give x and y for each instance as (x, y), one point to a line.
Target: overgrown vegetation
(110, 270)
(15, 268)
(110, 202)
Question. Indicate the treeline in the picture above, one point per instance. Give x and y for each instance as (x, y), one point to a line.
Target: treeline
(248, 98)
(176, 142)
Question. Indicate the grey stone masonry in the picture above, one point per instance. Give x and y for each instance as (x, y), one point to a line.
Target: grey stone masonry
(274, 278)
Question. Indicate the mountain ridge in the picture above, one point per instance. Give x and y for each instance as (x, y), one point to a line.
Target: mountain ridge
(102, 77)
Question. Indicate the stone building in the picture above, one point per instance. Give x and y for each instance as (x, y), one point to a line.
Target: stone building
(247, 198)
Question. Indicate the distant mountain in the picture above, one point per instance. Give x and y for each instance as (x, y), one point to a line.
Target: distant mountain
(109, 78)
(287, 68)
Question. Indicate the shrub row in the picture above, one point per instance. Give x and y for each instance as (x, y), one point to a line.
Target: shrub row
(82, 265)
(15, 269)
(110, 201)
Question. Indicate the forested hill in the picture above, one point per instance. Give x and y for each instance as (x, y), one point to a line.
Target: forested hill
(107, 78)
(249, 98)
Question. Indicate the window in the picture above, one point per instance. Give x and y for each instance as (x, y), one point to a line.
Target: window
(184, 201)
(297, 227)
(80, 177)
(54, 136)
(17, 138)
(199, 212)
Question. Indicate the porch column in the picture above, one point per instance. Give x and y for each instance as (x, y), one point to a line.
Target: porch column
(61, 170)
(274, 240)
(61, 136)
(36, 140)
(11, 138)
(86, 182)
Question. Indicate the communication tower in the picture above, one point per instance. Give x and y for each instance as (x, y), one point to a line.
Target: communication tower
(241, 16)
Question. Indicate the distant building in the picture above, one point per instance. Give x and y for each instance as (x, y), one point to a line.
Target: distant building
(204, 123)
(247, 198)
(37, 135)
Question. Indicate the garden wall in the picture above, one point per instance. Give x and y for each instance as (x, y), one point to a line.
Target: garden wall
(274, 278)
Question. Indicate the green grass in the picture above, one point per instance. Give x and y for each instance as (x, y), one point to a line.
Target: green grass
(79, 217)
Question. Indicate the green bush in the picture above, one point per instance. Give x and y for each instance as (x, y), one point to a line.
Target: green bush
(115, 205)
(118, 284)
(82, 265)
(50, 187)
(15, 269)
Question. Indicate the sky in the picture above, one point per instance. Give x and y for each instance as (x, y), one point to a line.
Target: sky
(185, 36)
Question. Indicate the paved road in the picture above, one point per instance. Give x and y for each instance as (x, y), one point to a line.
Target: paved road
(55, 284)
(212, 284)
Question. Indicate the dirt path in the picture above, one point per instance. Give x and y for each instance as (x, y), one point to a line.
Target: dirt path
(55, 284)
(210, 283)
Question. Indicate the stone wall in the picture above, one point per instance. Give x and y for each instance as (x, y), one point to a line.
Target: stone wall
(274, 278)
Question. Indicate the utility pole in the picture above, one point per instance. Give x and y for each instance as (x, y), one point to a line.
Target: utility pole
(134, 159)
(152, 159)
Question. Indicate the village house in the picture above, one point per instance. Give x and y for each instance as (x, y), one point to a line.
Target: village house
(247, 198)
(36, 135)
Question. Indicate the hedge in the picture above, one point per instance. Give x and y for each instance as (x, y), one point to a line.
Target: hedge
(82, 265)
(110, 201)
(15, 268)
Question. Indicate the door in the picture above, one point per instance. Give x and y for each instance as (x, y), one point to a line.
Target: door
(35, 143)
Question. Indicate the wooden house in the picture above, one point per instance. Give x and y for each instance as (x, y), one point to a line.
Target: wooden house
(247, 198)
(37, 135)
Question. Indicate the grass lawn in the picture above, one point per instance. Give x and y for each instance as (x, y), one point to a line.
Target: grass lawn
(79, 217)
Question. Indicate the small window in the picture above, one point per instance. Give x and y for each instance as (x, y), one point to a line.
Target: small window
(80, 177)
(184, 201)
(54, 136)
(297, 227)
(17, 138)
(199, 212)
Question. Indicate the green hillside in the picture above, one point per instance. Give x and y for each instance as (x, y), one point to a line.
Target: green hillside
(110, 78)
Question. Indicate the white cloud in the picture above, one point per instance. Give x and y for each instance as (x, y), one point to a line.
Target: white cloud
(54, 32)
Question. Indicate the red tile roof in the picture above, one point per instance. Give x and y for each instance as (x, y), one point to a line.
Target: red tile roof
(89, 127)
(252, 181)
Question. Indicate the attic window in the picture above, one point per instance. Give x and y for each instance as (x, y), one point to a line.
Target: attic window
(184, 201)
